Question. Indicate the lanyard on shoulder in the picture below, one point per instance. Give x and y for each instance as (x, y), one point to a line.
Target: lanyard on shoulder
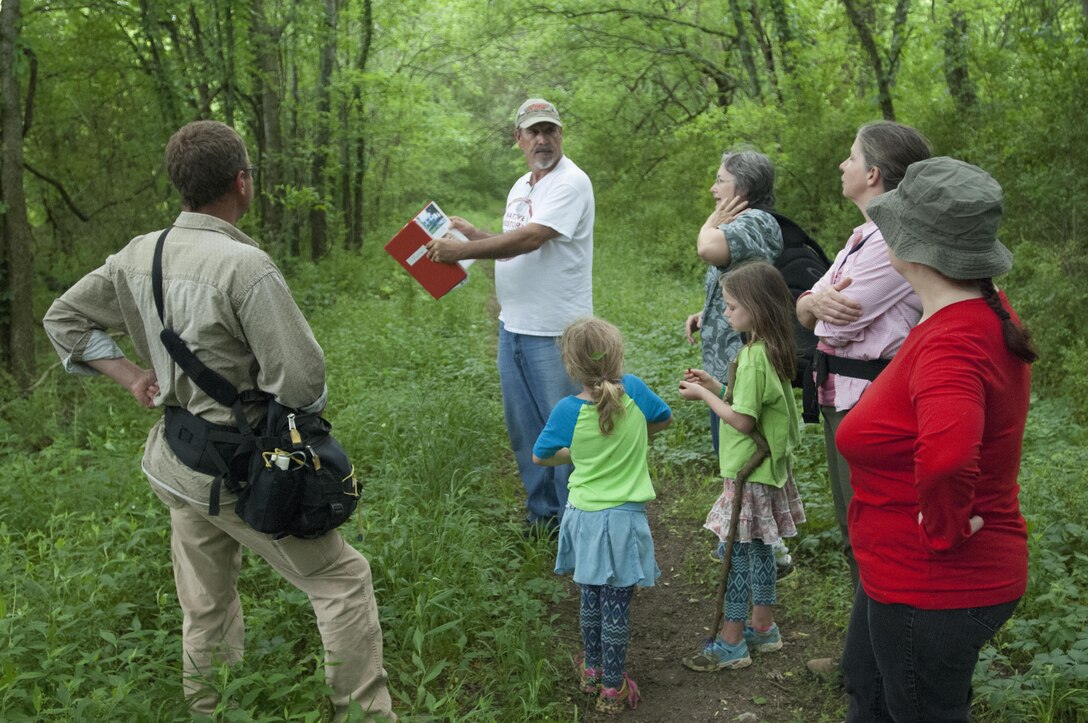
(854, 250)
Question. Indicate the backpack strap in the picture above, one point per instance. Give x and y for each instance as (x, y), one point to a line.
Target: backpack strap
(793, 236)
(868, 369)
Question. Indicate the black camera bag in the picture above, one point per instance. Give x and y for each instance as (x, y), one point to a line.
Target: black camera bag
(313, 492)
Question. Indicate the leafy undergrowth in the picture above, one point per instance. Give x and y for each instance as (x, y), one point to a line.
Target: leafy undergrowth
(1037, 667)
(88, 614)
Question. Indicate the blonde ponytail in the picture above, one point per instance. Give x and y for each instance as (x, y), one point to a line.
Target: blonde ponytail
(608, 396)
(592, 351)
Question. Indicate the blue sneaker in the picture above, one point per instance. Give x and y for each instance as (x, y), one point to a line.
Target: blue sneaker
(766, 642)
(718, 655)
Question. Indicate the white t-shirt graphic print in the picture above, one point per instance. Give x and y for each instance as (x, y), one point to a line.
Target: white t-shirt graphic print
(543, 291)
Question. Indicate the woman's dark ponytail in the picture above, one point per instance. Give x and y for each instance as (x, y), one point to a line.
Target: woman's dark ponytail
(1017, 338)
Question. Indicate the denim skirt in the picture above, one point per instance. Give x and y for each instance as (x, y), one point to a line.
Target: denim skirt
(607, 547)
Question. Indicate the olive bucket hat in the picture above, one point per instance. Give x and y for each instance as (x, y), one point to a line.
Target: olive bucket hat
(945, 214)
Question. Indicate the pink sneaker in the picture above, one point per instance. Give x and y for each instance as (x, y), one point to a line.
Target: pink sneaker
(613, 700)
(589, 679)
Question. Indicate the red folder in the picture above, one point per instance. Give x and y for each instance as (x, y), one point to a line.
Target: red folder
(409, 248)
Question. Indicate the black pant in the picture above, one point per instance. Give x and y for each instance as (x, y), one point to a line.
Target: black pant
(906, 664)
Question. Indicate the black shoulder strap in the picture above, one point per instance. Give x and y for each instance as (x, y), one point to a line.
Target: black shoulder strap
(156, 273)
(211, 382)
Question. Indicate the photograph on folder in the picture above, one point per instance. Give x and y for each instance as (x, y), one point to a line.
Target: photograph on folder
(409, 248)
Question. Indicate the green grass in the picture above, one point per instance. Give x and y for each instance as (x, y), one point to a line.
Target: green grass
(89, 621)
(1037, 668)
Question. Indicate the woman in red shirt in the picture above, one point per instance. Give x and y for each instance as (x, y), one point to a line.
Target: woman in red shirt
(934, 451)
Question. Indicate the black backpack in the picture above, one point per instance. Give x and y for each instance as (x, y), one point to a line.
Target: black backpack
(802, 263)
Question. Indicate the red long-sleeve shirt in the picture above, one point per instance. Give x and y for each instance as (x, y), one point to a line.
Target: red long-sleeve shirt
(940, 432)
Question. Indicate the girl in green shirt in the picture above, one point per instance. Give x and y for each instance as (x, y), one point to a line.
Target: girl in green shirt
(758, 303)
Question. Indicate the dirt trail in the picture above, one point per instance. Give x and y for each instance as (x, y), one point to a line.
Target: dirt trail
(673, 618)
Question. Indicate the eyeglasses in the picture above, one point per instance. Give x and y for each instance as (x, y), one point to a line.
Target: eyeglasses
(251, 170)
(541, 129)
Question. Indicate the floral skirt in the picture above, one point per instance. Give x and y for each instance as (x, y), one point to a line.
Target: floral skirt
(767, 513)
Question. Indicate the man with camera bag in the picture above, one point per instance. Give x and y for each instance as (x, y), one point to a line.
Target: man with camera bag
(228, 301)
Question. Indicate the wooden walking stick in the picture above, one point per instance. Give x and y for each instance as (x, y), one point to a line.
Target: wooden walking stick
(761, 453)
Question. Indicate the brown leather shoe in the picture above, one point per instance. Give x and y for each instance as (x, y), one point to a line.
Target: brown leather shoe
(828, 670)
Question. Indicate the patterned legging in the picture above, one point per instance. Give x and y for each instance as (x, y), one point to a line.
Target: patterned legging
(753, 576)
(605, 623)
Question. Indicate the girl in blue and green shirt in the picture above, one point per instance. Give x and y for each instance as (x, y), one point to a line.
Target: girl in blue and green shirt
(604, 537)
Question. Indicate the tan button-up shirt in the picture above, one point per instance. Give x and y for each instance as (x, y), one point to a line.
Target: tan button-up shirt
(226, 299)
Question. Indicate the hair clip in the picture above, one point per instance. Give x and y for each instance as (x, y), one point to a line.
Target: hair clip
(598, 355)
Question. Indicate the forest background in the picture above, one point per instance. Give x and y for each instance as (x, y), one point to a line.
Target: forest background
(359, 111)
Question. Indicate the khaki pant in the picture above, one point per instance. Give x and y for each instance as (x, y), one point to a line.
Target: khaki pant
(207, 554)
(838, 472)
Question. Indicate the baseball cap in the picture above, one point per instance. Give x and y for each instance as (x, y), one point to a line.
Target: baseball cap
(536, 110)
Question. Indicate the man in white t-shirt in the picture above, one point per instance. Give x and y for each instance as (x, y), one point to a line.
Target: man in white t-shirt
(544, 281)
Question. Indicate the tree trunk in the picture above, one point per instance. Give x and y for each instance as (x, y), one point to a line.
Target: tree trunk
(784, 31)
(266, 48)
(862, 17)
(747, 53)
(16, 264)
(193, 55)
(345, 107)
(155, 65)
(347, 138)
(354, 220)
(318, 213)
(359, 173)
(226, 50)
(293, 227)
(956, 72)
(765, 47)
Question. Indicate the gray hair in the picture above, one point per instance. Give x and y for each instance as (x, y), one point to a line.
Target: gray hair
(891, 147)
(755, 177)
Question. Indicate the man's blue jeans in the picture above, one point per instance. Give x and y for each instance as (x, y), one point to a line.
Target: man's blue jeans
(906, 664)
(533, 380)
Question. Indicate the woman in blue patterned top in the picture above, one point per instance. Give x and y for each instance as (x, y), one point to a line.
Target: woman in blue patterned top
(604, 537)
(740, 229)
